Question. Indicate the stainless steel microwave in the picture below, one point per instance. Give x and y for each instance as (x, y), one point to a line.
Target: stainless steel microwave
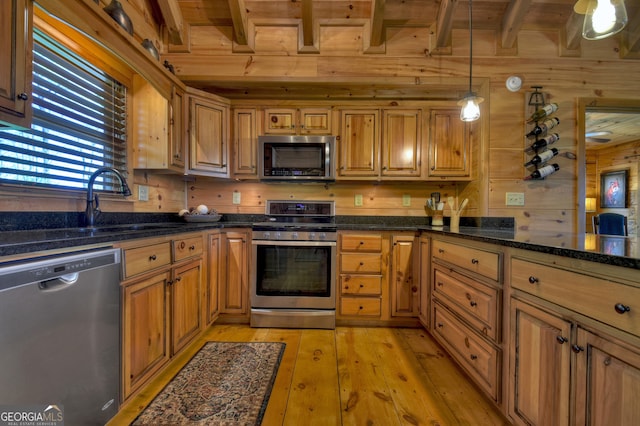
(296, 158)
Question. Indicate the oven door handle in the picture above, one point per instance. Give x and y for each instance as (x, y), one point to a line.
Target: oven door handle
(294, 243)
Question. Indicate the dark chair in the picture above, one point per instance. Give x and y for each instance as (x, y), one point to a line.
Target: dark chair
(610, 224)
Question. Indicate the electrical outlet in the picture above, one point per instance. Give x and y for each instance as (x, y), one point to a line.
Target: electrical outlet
(406, 200)
(143, 193)
(236, 197)
(357, 200)
(514, 199)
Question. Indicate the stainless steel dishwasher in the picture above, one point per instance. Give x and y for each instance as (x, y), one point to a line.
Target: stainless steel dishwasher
(60, 335)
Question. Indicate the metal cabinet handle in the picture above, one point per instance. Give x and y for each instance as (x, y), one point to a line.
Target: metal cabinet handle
(475, 261)
(621, 309)
(472, 303)
(440, 325)
(23, 96)
(561, 339)
(440, 284)
(473, 357)
(192, 247)
(576, 348)
(533, 279)
(440, 250)
(152, 257)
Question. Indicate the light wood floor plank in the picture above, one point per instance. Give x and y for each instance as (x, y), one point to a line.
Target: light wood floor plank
(364, 393)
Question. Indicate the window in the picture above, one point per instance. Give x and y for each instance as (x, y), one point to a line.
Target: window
(79, 124)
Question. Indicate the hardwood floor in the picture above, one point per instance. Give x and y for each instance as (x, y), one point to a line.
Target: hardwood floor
(350, 376)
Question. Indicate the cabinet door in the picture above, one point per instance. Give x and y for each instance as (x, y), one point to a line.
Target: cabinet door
(234, 292)
(359, 144)
(177, 130)
(280, 121)
(539, 369)
(404, 286)
(425, 280)
(151, 126)
(212, 294)
(208, 140)
(401, 143)
(245, 144)
(185, 303)
(16, 44)
(315, 121)
(449, 145)
(608, 382)
(145, 335)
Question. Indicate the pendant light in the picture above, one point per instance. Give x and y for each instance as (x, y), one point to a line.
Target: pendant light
(471, 102)
(603, 18)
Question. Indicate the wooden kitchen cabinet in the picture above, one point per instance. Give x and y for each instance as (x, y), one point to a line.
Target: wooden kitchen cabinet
(16, 43)
(297, 121)
(466, 300)
(211, 296)
(158, 128)
(245, 143)
(208, 135)
(539, 366)
(425, 281)
(161, 304)
(401, 144)
(405, 292)
(359, 154)
(234, 273)
(449, 145)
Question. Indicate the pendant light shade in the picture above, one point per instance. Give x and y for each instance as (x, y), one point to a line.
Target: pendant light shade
(470, 103)
(604, 18)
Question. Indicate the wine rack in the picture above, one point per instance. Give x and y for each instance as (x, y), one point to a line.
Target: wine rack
(537, 101)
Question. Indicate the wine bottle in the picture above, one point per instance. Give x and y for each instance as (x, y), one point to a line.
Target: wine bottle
(543, 128)
(543, 112)
(543, 143)
(543, 171)
(542, 157)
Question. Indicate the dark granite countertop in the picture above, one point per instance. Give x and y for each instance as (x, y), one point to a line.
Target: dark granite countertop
(15, 240)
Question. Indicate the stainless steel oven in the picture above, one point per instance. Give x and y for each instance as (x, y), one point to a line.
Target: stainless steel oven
(293, 281)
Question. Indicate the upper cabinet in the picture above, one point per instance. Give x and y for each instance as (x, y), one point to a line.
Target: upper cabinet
(15, 74)
(245, 143)
(449, 145)
(391, 150)
(208, 134)
(297, 121)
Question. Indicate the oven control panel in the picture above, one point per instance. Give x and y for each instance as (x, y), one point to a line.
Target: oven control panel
(280, 235)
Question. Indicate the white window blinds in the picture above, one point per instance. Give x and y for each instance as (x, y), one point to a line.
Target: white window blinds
(79, 124)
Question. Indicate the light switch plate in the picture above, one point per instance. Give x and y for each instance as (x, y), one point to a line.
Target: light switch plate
(143, 193)
(357, 200)
(406, 200)
(514, 199)
(236, 197)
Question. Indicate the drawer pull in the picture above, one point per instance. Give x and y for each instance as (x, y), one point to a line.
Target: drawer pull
(440, 251)
(178, 279)
(561, 339)
(533, 279)
(577, 349)
(361, 285)
(361, 263)
(440, 283)
(152, 257)
(440, 325)
(473, 357)
(475, 261)
(621, 309)
(361, 243)
(360, 307)
(473, 304)
(192, 247)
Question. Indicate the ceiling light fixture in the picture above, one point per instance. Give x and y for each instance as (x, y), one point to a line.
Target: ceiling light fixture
(471, 102)
(603, 18)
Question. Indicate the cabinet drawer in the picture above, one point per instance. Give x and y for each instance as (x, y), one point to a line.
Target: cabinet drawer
(363, 263)
(479, 261)
(590, 296)
(477, 357)
(475, 302)
(361, 284)
(142, 259)
(360, 306)
(187, 247)
(361, 243)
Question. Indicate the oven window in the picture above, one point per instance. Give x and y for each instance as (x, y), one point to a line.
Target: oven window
(293, 271)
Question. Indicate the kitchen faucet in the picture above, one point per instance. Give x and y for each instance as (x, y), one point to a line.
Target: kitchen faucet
(92, 212)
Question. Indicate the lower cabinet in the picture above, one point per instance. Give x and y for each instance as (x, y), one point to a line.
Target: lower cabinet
(234, 273)
(425, 281)
(211, 307)
(161, 304)
(405, 285)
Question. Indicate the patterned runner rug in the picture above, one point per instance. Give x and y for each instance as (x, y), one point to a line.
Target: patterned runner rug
(225, 383)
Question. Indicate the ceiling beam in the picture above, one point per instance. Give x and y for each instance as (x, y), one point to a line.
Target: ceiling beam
(377, 23)
(172, 16)
(444, 23)
(631, 38)
(239, 19)
(571, 34)
(307, 34)
(512, 21)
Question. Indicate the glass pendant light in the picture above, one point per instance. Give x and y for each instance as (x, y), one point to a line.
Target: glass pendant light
(471, 102)
(604, 18)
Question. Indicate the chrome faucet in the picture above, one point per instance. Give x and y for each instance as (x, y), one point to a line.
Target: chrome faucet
(92, 211)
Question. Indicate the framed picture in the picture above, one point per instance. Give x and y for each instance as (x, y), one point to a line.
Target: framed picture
(613, 189)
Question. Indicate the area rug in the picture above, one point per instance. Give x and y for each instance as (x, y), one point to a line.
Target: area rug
(225, 383)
